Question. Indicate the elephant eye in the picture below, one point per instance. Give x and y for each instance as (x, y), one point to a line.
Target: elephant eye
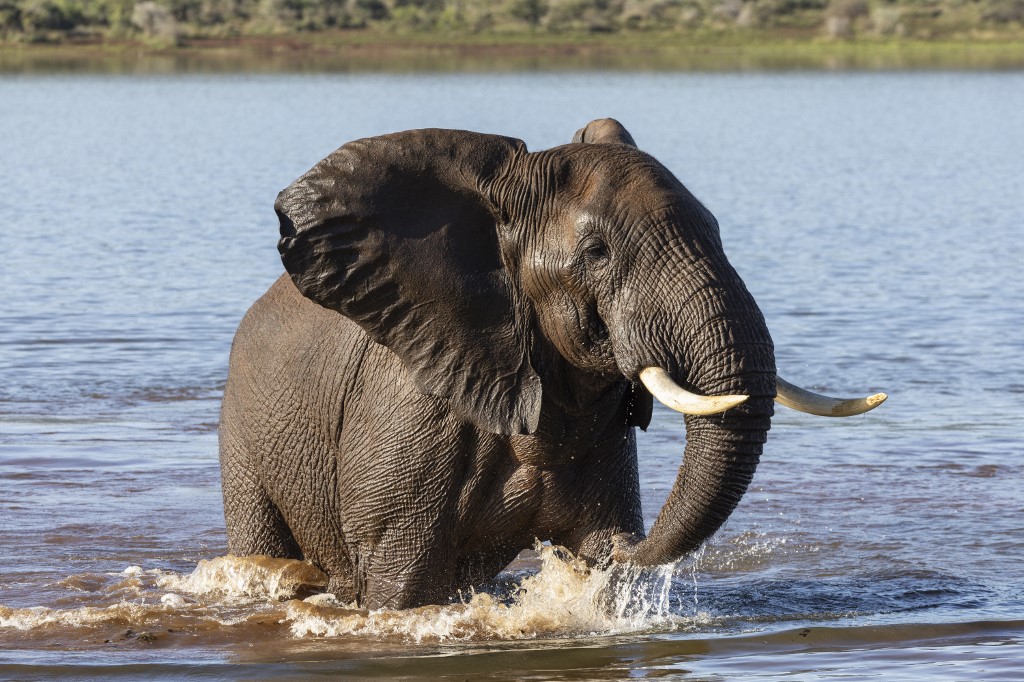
(595, 251)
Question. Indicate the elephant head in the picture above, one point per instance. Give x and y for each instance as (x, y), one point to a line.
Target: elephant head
(494, 273)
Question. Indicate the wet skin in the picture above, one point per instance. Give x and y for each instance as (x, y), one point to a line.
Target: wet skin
(449, 369)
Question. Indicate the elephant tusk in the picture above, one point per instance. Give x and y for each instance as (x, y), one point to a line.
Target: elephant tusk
(674, 396)
(800, 399)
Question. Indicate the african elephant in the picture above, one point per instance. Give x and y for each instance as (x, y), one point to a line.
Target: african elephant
(456, 359)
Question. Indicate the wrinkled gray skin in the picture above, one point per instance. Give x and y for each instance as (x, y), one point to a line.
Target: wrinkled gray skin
(449, 369)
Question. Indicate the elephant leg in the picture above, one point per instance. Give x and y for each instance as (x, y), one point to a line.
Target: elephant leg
(254, 523)
(428, 552)
(408, 589)
(406, 561)
(601, 498)
(256, 526)
(399, 477)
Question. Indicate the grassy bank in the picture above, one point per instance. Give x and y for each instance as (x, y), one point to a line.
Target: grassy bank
(387, 50)
(269, 35)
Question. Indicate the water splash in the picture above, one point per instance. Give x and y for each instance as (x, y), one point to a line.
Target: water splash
(563, 598)
(38, 617)
(747, 552)
(695, 564)
(236, 596)
(247, 578)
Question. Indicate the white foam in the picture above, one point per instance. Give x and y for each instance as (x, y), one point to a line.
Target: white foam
(563, 598)
(323, 599)
(174, 601)
(253, 577)
(39, 616)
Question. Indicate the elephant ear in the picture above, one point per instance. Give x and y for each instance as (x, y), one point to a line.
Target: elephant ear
(396, 233)
(604, 131)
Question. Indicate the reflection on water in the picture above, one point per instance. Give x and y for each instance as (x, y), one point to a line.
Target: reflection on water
(874, 217)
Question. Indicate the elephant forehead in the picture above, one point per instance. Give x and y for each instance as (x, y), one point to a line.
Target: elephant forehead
(619, 167)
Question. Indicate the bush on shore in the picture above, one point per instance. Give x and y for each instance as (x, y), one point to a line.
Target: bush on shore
(167, 21)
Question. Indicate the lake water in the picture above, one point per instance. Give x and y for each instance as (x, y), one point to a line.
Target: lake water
(877, 218)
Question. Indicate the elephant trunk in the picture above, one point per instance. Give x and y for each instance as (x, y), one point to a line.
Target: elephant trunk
(719, 463)
(729, 351)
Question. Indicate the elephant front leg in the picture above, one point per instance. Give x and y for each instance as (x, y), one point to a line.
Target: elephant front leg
(595, 506)
(402, 572)
(462, 540)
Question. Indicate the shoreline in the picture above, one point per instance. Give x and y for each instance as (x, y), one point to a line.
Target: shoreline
(378, 51)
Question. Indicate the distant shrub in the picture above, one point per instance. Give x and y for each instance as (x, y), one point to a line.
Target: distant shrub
(155, 22)
(183, 11)
(314, 16)
(215, 12)
(530, 12)
(1004, 12)
(807, 4)
(47, 15)
(758, 13)
(841, 15)
(660, 14)
(727, 10)
(887, 20)
(165, 20)
(119, 16)
(10, 18)
(748, 17)
(638, 14)
(370, 10)
(794, 6)
(849, 9)
(476, 15)
(277, 13)
(429, 6)
(586, 15)
(689, 14)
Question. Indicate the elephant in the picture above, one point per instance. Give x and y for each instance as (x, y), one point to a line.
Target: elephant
(456, 359)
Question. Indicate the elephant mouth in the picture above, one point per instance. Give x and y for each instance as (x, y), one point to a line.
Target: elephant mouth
(677, 398)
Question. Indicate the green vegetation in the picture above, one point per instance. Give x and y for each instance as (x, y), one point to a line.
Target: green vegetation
(408, 35)
(173, 21)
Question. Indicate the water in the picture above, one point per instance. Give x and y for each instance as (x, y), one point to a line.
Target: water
(875, 217)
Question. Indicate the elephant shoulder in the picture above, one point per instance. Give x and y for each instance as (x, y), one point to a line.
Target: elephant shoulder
(288, 345)
(283, 329)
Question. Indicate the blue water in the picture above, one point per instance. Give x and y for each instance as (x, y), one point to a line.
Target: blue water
(877, 219)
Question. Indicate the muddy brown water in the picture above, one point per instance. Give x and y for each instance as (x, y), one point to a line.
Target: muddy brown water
(875, 217)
